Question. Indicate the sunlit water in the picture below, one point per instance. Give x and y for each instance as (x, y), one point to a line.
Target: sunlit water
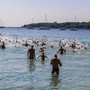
(19, 73)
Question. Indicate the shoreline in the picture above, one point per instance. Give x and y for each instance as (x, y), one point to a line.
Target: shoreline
(55, 25)
(61, 29)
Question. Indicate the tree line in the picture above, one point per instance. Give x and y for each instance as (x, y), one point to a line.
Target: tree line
(67, 25)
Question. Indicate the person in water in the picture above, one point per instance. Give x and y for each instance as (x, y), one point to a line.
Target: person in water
(26, 44)
(42, 50)
(31, 53)
(43, 56)
(61, 50)
(3, 45)
(55, 62)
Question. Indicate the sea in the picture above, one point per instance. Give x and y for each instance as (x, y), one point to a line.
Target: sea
(17, 72)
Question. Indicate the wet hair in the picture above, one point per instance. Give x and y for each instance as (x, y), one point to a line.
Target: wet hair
(42, 53)
(32, 46)
(55, 55)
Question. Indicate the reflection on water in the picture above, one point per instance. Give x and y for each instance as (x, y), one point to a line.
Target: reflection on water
(42, 62)
(55, 82)
(75, 72)
(31, 65)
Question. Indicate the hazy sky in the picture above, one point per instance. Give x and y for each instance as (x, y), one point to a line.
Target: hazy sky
(20, 12)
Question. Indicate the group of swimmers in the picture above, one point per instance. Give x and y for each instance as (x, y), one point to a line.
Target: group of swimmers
(55, 62)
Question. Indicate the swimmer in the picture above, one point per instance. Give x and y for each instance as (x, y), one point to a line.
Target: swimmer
(42, 56)
(61, 50)
(55, 62)
(31, 53)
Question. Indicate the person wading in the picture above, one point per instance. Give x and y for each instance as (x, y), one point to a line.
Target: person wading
(55, 62)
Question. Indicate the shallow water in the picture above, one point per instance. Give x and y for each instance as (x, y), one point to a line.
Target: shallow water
(19, 73)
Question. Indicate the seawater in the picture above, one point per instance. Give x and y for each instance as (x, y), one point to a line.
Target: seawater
(17, 72)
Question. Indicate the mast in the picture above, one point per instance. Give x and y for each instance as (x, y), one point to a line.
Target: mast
(45, 18)
(75, 18)
(0, 22)
(32, 20)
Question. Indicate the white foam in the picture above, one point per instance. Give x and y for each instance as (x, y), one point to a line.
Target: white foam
(11, 41)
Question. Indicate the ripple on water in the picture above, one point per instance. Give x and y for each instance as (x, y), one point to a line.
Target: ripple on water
(19, 73)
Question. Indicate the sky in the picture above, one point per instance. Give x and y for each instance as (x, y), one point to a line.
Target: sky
(15, 13)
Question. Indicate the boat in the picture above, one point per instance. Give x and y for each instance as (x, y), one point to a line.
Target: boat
(44, 28)
(31, 27)
(62, 28)
(74, 29)
(1, 24)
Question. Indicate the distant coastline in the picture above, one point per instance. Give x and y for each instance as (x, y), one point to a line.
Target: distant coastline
(66, 25)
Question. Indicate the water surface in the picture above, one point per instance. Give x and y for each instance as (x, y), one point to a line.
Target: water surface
(19, 73)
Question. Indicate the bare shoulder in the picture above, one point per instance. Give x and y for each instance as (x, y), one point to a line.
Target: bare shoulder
(58, 59)
(51, 59)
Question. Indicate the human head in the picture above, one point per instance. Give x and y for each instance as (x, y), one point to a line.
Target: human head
(32, 46)
(55, 55)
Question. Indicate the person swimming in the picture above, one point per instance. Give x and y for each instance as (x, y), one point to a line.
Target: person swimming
(61, 50)
(3, 45)
(26, 44)
(43, 56)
